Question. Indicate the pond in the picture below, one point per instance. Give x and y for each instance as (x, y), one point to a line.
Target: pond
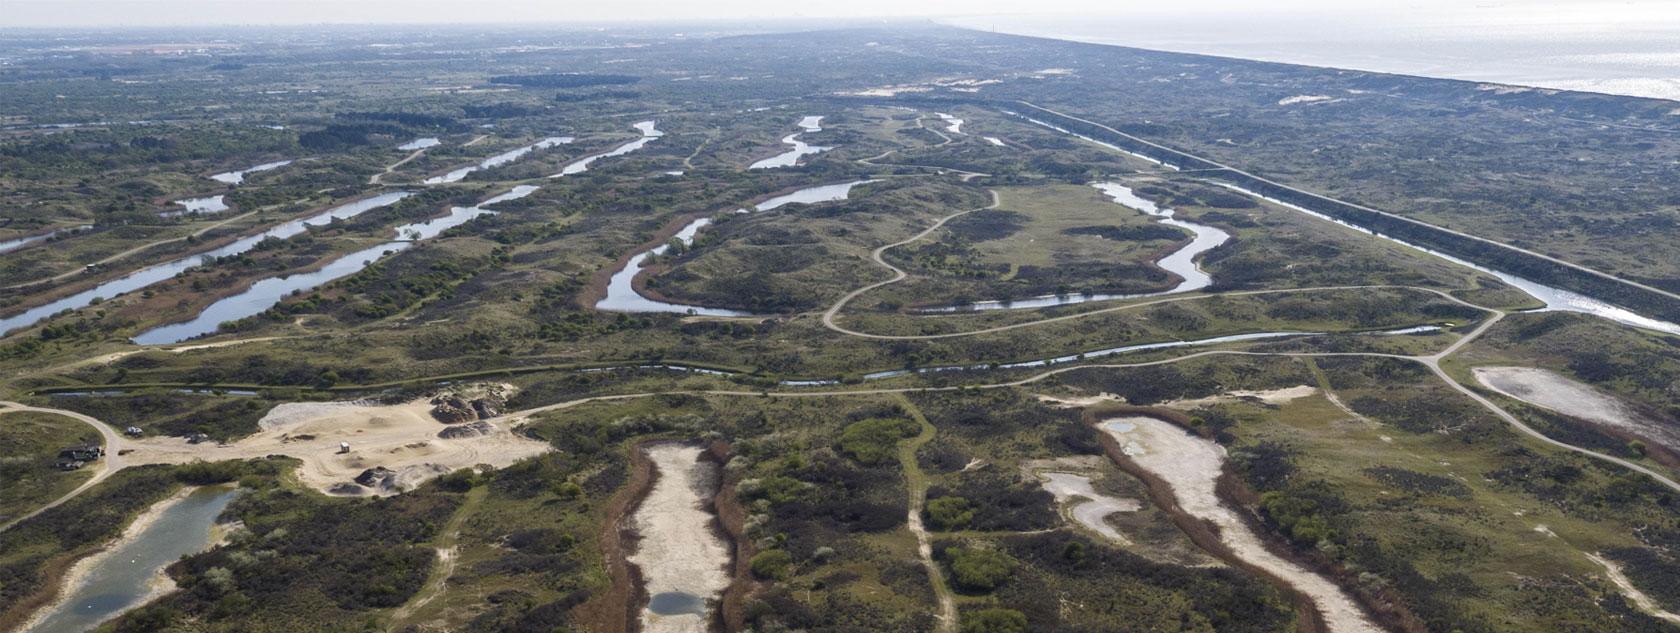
(131, 572)
(238, 177)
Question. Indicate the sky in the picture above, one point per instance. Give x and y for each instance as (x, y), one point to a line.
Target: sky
(103, 13)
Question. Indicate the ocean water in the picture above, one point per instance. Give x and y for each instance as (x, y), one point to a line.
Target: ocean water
(1625, 48)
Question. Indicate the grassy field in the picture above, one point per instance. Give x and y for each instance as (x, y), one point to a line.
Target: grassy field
(29, 445)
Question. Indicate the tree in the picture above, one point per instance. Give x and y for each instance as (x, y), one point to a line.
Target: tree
(772, 564)
(950, 513)
(979, 570)
(994, 621)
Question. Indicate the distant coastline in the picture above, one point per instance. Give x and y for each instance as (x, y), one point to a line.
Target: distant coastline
(1639, 62)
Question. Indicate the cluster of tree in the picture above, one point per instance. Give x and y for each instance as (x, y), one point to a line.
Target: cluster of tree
(990, 501)
(306, 561)
(172, 413)
(1135, 233)
(564, 80)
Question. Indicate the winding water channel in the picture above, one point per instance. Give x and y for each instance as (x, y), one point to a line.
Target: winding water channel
(498, 160)
(649, 134)
(154, 274)
(265, 293)
(800, 148)
(621, 289)
(1181, 262)
(7, 246)
(238, 177)
(130, 573)
(1556, 299)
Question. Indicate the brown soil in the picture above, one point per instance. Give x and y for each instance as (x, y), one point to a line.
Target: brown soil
(732, 521)
(609, 611)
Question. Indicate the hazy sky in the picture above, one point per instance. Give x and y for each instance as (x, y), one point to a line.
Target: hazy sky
(204, 12)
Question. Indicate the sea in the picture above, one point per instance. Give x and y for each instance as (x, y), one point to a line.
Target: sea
(1614, 47)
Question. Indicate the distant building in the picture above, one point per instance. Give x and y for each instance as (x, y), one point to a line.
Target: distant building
(70, 464)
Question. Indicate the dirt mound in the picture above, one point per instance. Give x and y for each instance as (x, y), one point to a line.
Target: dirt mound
(470, 429)
(468, 403)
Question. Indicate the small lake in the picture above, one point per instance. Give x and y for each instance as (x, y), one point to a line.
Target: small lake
(196, 206)
(499, 160)
(420, 143)
(1181, 262)
(238, 177)
(649, 133)
(621, 290)
(154, 274)
(265, 293)
(1555, 298)
(7, 246)
(124, 577)
(800, 148)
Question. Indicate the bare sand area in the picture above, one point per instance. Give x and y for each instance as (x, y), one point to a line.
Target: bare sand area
(401, 438)
(1191, 465)
(682, 561)
(1551, 391)
(1085, 505)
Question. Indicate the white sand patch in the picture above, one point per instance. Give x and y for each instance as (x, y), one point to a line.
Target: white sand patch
(1273, 397)
(1305, 99)
(678, 551)
(1644, 602)
(403, 438)
(1190, 465)
(1087, 506)
(1551, 391)
(1073, 403)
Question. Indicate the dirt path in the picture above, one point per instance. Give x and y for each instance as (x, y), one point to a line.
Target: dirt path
(446, 559)
(195, 234)
(111, 463)
(1644, 602)
(917, 483)
(898, 275)
(374, 179)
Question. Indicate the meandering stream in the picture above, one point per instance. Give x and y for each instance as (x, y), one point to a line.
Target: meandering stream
(264, 294)
(238, 177)
(649, 134)
(154, 274)
(498, 160)
(1181, 262)
(800, 148)
(621, 290)
(7, 246)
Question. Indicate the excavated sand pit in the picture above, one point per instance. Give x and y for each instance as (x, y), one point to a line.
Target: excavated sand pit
(1190, 466)
(402, 439)
(682, 561)
(1548, 390)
